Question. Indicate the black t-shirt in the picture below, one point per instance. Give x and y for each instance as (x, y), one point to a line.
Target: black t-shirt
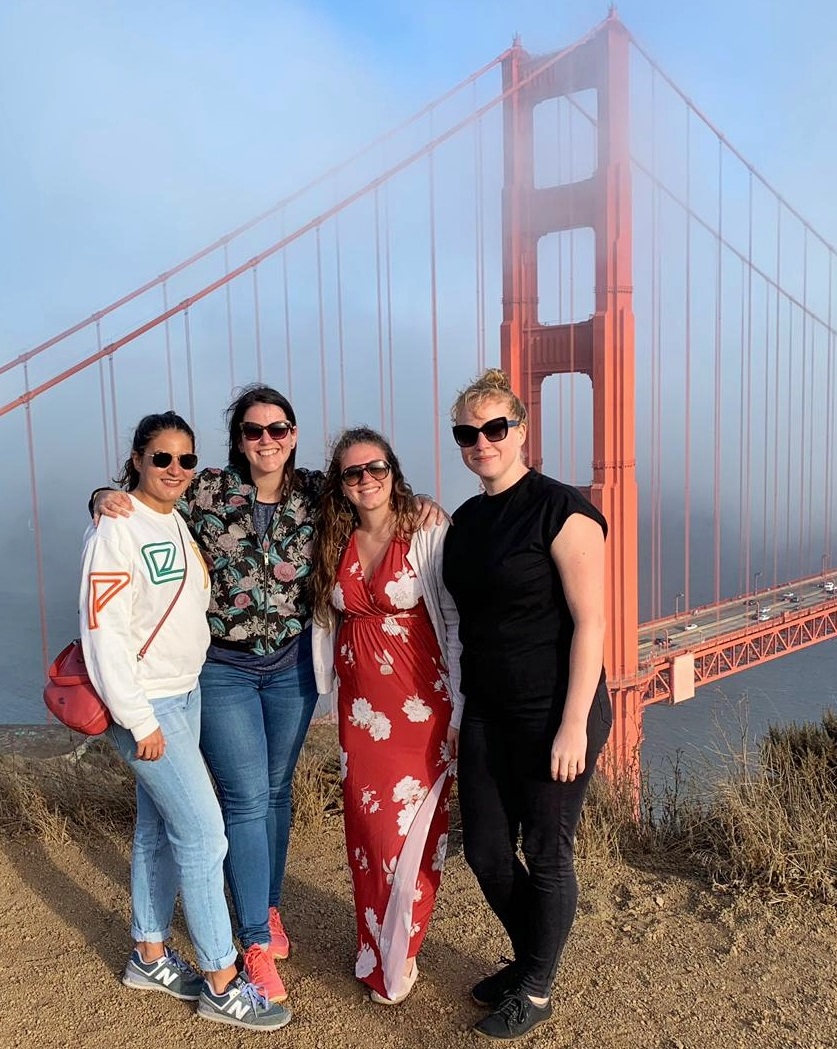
(514, 622)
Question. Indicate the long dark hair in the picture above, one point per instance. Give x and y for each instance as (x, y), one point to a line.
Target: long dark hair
(247, 397)
(338, 518)
(147, 429)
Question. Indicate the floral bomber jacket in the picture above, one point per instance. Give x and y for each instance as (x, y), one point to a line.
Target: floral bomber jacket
(260, 597)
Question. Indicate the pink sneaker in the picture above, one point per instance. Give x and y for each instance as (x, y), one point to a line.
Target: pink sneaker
(280, 945)
(260, 970)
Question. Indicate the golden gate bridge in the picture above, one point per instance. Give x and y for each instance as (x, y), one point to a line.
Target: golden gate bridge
(664, 311)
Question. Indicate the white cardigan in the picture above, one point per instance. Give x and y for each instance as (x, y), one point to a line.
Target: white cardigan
(425, 559)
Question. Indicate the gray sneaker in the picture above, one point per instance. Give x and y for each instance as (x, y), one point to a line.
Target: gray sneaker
(241, 1005)
(169, 974)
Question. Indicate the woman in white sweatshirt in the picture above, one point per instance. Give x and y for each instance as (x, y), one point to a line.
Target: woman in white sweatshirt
(144, 595)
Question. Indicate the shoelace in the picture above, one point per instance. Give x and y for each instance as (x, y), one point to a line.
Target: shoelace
(177, 962)
(513, 1007)
(250, 993)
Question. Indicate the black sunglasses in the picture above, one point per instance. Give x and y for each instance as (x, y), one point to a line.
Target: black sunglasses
(495, 430)
(277, 431)
(378, 469)
(188, 461)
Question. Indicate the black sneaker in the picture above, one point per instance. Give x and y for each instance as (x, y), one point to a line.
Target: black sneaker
(514, 1017)
(493, 989)
(241, 1005)
(169, 974)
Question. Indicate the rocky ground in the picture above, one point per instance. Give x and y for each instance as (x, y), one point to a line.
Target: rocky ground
(657, 960)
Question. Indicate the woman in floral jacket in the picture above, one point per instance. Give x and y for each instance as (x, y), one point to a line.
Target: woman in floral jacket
(385, 623)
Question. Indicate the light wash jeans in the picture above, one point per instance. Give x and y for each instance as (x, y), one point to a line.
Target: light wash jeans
(179, 839)
(252, 729)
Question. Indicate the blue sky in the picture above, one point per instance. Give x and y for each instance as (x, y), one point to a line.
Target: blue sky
(133, 133)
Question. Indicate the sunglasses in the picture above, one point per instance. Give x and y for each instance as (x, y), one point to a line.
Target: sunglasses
(378, 469)
(187, 461)
(494, 430)
(277, 431)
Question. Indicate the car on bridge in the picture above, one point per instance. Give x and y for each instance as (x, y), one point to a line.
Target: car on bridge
(828, 586)
(790, 596)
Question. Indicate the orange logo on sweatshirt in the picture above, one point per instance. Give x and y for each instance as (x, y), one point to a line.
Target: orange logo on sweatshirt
(104, 586)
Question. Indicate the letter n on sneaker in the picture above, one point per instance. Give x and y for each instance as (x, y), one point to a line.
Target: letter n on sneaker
(241, 1005)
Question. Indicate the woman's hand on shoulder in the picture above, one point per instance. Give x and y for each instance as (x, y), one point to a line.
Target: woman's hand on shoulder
(111, 503)
(569, 750)
(152, 747)
(429, 513)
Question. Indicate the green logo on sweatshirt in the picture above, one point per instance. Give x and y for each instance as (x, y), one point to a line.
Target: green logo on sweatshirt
(159, 557)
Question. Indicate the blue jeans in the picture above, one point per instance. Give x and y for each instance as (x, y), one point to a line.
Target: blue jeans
(252, 729)
(179, 837)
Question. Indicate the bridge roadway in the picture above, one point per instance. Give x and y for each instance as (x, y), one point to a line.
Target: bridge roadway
(678, 653)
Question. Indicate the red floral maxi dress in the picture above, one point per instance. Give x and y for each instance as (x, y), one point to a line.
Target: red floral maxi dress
(393, 714)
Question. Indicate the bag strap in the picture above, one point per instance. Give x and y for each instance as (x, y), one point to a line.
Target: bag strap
(145, 647)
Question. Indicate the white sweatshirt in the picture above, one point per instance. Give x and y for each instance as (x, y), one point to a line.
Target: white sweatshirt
(131, 568)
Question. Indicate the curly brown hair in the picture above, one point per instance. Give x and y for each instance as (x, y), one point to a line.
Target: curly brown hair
(338, 518)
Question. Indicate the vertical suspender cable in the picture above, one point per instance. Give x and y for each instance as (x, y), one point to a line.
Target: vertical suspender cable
(479, 232)
(103, 397)
(167, 330)
(188, 335)
(765, 481)
(286, 299)
(687, 421)
(829, 407)
(36, 527)
(656, 560)
(716, 478)
(388, 285)
(434, 330)
(748, 495)
(776, 385)
(113, 412)
(257, 325)
(801, 568)
(379, 308)
(743, 577)
(562, 378)
(789, 431)
(341, 348)
(228, 296)
(571, 162)
(321, 321)
(812, 415)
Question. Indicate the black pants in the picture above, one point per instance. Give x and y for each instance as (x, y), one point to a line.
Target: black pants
(506, 792)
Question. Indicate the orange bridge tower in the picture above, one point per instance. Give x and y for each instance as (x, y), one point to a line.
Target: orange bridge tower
(602, 347)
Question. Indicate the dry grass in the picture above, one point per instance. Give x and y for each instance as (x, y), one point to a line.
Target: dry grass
(55, 799)
(90, 791)
(771, 821)
(765, 824)
(317, 792)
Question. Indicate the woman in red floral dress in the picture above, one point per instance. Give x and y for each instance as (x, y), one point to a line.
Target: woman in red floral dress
(387, 629)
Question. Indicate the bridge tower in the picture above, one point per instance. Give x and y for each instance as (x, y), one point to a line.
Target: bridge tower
(603, 346)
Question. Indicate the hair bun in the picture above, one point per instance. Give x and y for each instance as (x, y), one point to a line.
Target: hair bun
(498, 378)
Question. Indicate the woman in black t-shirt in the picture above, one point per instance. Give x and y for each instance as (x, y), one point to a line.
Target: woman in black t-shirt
(524, 563)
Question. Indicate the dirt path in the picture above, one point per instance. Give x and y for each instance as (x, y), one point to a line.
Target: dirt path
(656, 961)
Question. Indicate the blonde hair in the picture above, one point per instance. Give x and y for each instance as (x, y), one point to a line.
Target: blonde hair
(492, 384)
